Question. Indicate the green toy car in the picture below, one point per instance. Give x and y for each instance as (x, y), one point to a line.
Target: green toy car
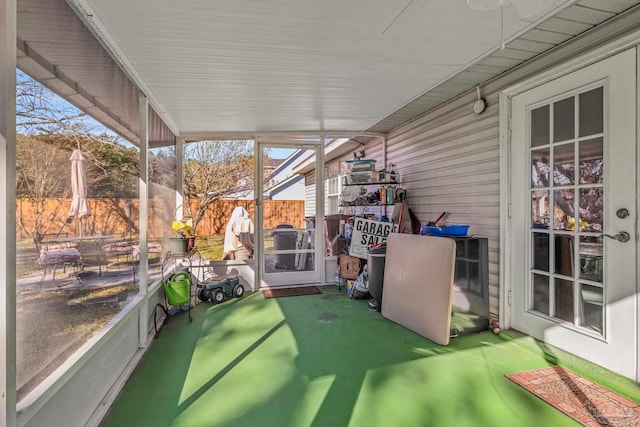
(217, 289)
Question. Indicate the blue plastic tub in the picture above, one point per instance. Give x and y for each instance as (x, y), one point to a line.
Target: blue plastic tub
(448, 231)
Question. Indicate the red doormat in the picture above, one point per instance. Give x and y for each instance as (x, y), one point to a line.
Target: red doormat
(586, 402)
(290, 292)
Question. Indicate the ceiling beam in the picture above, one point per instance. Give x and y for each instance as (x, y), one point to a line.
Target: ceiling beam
(196, 136)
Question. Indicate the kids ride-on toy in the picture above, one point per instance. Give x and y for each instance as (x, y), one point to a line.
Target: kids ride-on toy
(218, 288)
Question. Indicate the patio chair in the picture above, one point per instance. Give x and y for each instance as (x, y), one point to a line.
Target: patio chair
(53, 255)
(152, 248)
(118, 252)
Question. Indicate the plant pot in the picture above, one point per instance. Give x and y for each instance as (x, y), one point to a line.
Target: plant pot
(178, 245)
(192, 243)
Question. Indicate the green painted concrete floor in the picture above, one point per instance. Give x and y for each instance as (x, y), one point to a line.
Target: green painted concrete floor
(326, 360)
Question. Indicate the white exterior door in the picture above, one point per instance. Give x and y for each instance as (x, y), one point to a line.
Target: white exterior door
(573, 182)
(289, 248)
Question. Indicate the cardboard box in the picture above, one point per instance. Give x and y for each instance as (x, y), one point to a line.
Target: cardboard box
(349, 266)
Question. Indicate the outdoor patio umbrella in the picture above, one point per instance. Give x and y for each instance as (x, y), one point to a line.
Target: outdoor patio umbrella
(79, 206)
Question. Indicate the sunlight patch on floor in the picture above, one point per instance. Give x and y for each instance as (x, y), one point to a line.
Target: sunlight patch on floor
(311, 402)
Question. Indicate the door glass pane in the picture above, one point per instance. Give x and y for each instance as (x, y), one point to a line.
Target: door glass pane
(540, 209)
(563, 120)
(293, 247)
(288, 224)
(566, 206)
(591, 258)
(540, 168)
(541, 251)
(541, 293)
(563, 251)
(218, 178)
(540, 126)
(591, 307)
(591, 209)
(591, 112)
(564, 299)
(563, 216)
(563, 164)
(591, 161)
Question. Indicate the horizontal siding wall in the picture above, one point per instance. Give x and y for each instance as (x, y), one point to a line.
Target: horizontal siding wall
(310, 195)
(293, 192)
(374, 150)
(449, 161)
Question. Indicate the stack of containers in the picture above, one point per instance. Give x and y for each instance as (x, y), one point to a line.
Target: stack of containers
(362, 171)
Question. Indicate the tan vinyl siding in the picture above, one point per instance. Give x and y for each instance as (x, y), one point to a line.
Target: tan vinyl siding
(310, 194)
(293, 192)
(450, 161)
(449, 157)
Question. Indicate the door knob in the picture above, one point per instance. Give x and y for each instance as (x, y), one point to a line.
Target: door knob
(622, 236)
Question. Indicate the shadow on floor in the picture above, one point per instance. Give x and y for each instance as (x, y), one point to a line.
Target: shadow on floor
(325, 360)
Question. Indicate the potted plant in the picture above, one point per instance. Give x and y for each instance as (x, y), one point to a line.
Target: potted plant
(184, 238)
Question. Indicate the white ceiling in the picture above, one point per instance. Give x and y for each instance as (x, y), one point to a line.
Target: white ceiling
(212, 66)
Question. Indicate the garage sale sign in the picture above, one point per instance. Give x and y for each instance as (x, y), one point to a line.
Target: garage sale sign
(368, 232)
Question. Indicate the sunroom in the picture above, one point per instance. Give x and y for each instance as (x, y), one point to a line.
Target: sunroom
(517, 117)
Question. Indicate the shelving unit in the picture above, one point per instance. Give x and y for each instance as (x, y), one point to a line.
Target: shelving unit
(379, 187)
(180, 256)
(371, 199)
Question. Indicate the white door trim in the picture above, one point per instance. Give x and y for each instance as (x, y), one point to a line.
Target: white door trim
(505, 210)
(637, 207)
(508, 270)
(319, 252)
(613, 48)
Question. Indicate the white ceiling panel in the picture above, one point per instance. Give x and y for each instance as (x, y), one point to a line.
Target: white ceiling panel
(290, 65)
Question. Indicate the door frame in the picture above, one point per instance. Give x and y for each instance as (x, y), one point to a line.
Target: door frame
(319, 252)
(631, 41)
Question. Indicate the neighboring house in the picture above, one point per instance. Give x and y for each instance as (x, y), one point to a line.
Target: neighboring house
(269, 165)
(291, 188)
(281, 183)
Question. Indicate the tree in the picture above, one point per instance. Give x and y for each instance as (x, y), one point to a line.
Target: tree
(112, 173)
(591, 171)
(41, 112)
(39, 180)
(162, 167)
(214, 169)
(49, 129)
